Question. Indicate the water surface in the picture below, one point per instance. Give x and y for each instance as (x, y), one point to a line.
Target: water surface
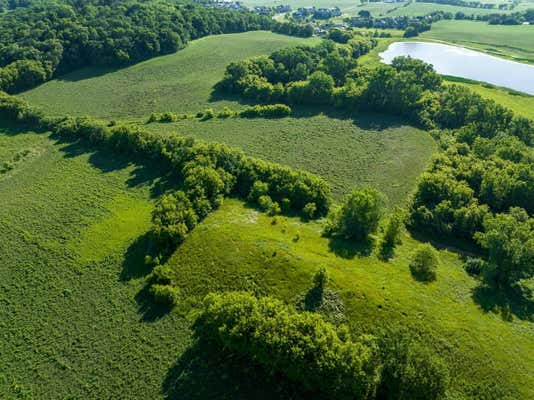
(465, 63)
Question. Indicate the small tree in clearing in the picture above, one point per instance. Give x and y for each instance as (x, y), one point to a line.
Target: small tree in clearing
(424, 263)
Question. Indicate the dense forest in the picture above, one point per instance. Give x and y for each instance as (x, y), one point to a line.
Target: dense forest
(43, 40)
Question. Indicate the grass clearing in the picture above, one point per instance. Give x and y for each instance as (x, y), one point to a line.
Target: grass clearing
(180, 82)
(363, 150)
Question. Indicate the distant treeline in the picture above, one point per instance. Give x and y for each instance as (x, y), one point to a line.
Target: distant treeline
(469, 4)
(47, 39)
(487, 163)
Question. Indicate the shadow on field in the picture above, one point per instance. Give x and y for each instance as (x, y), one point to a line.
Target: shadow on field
(364, 120)
(86, 73)
(349, 249)
(208, 372)
(509, 302)
(150, 310)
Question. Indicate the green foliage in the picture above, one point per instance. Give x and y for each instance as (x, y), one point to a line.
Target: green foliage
(474, 266)
(320, 278)
(165, 294)
(173, 217)
(358, 216)
(302, 347)
(424, 263)
(510, 244)
(394, 227)
(267, 111)
(410, 370)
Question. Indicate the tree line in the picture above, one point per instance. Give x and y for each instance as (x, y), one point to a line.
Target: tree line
(484, 171)
(326, 361)
(47, 39)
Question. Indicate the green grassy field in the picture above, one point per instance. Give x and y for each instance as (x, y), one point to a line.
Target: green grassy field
(516, 42)
(239, 248)
(363, 150)
(180, 82)
(71, 325)
(418, 9)
(521, 103)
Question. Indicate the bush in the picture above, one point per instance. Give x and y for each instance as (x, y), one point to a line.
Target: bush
(394, 227)
(265, 202)
(424, 263)
(207, 114)
(358, 216)
(309, 210)
(301, 346)
(225, 113)
(267, 111)
(474, 266)
(165, 294)
(320, 278)
(161, 275)
(274, 209)
(410, 370)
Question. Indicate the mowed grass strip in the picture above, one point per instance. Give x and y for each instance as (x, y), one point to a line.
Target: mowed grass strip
(364, 150)
(180, 82)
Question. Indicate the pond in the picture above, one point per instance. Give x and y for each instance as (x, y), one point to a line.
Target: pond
(465, 63)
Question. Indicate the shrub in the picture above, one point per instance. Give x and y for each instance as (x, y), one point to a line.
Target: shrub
(207, 114)
(285, 204)
(474, 266)
(410, 370)
(394, 227)
(320, 278)
(161, 275)
(258, 189)
(265, 202)
(266, 111)
(309, 210)
(301, 346)
(225, 113)
(424, 263)
(274, 209)
(358, 216)
(164, 294)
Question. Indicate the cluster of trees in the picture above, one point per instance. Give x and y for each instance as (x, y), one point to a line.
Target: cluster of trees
(516, 18)
(326, 360)
(296, 75)
(58, 36)
(209, 171)
(292, 29)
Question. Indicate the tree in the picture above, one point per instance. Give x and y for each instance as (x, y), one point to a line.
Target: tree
(424, 263)
(358, 216)
(394, 227)
(173, 217)
(510, 244)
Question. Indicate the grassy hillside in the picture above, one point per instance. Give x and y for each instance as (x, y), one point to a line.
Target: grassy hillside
(361, 150)
(72, 323)
(520, 103)
(178, 82)
(516, 41)
(239, 248)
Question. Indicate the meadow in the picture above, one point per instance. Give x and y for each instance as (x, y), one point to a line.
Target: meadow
(363, 150)
(510, 41)
(71, 317)
(180, 82)
(76, 319)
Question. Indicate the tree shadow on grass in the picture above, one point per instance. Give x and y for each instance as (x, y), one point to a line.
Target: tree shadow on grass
(150, 310)
(206, 372)
(350, 248)
(508, 302)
